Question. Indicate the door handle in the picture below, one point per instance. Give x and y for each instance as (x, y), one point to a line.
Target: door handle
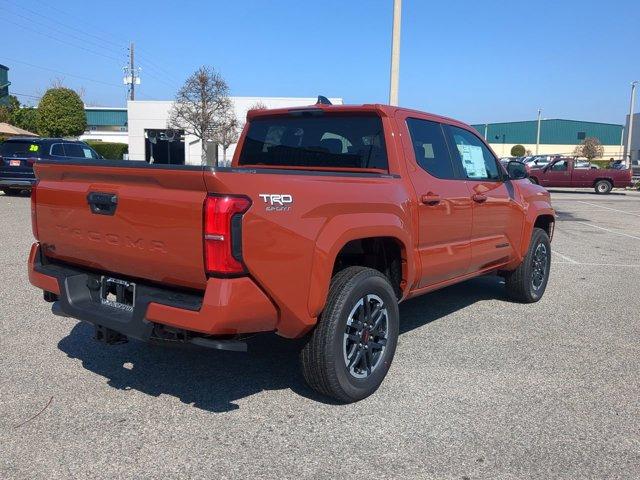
(430, 199)
(479, 198)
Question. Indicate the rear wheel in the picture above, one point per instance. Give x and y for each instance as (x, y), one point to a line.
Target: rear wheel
(350, 351)
(528, 282)
(603, 186)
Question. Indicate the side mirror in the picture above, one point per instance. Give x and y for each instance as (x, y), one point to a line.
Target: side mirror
(517, 170)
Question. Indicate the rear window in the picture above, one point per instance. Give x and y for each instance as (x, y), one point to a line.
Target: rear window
(326, 141)
(19, 149)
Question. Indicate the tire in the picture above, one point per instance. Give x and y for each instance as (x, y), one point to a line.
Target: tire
(334, 359)
(603, 187)
(10, 192)
(527, 283)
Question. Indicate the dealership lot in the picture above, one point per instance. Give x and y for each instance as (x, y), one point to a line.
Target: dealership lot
(480, 387)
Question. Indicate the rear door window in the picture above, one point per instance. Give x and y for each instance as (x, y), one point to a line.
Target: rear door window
(57, 149)
(430, 148)
(79, 150)
(325, 141)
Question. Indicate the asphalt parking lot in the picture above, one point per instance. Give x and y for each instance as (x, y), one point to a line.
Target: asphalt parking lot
(480, 387)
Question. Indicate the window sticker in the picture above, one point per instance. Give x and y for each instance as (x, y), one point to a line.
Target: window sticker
(34, 148)
(87, 152)
(473, 161)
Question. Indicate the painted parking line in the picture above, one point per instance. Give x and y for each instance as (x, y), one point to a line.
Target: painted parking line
(608, 208)
(617, 265)
(609, 230)
(568, 259)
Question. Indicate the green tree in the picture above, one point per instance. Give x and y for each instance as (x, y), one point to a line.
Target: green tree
(26, 118)
(518, 151)
(6, 111)
(61, 113)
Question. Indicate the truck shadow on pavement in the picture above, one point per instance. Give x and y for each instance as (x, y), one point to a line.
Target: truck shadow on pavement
(213, 380)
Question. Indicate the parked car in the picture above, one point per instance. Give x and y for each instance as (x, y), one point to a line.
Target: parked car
(18, 154)
(564, 172)
(326, 219)
(539, 161)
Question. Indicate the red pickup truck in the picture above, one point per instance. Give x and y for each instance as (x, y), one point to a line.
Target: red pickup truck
(564, 172)
(326, 219)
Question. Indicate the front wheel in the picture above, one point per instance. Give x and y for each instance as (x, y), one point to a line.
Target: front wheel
(350, 351)
(528, 282)
(603, 186)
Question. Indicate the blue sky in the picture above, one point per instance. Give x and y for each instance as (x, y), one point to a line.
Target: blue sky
(478, 61)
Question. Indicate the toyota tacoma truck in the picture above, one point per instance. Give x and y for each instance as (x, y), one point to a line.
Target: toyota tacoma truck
(327, 218)
(568, 172)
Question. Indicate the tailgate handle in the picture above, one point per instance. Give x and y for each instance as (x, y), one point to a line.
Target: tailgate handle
(102, 203)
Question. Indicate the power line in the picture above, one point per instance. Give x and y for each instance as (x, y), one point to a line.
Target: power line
(29, 19)
(57, 22)
(145, 59)
(68, 43)
(25, 95)
(161, 75)
(64, 73)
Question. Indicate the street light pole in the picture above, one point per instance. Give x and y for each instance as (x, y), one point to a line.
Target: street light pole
(395, 53)
(538, 133)
(630, 129)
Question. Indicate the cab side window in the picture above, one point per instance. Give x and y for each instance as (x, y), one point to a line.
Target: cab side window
(560, 166)
(57, 149)
(430, 148)
(477, 161)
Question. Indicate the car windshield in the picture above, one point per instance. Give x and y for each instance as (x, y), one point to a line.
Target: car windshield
(320, 141)
(19, 148)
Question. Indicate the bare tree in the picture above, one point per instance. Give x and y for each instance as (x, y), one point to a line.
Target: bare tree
(259, 105)
(590, 148)
(227, 131)
(200, 106)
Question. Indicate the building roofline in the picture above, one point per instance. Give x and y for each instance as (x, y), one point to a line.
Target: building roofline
(124, 109)
(550, 119)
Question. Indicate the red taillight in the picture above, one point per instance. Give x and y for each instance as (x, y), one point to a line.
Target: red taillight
(31, 161)
(222, 234)
(34, 220)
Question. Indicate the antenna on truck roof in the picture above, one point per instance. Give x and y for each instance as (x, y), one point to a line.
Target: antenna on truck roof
(323, 101)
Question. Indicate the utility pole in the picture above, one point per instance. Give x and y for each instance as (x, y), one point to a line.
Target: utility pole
(486, 127)
(131, 74)
(538, 134)
(132, 89)
(395, 53)
(630, 130)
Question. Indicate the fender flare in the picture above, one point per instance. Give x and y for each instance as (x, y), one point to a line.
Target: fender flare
(341, 230)
(536, 209)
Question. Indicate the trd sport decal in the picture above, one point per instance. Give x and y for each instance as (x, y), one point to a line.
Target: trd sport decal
(277, 202)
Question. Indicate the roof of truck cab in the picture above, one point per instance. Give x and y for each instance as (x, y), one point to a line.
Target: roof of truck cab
(385, 110)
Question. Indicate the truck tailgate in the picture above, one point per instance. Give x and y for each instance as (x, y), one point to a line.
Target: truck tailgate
(140, 221)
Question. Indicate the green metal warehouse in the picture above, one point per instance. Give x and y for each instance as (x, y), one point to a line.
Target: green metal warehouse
(557, 136)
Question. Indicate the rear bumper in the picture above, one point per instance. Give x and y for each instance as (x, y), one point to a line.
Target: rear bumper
(227, 307)
(16, 182)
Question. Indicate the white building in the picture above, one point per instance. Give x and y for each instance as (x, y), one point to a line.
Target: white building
(149, 137)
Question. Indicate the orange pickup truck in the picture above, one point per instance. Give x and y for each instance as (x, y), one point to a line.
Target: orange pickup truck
(326, 219)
